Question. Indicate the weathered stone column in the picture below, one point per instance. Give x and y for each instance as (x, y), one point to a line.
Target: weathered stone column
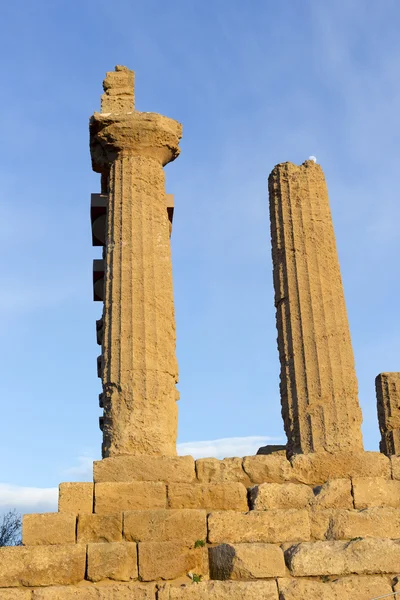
(318, 382)
(388, 405)
(139, 367)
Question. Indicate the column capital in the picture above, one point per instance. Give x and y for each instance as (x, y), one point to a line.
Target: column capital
(136, 133)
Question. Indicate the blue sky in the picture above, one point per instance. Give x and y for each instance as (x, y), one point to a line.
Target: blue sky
(254, 84)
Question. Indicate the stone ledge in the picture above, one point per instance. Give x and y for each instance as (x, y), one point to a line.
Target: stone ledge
(358, 556)
(42, 565)
(185, 526)
(272, 526)
(107, 591)
(221, 590)
(123, 496)
(246, 561)
(75, 497)
(48, 529)
(167, 469)
(210, 496)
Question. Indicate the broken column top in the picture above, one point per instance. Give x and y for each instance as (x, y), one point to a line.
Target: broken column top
(119, 92)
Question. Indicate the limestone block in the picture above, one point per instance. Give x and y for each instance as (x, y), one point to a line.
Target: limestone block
(211, 496)
(221, 590)
(335, 493)
(268, 469)
(105, 591)
(280, 495)
(272, 526)
(340, 524)
(42, 565)
(212, 470)
(140, 495)
(117, 561)
(358, 556)
(168, 469)
(318, 467)
(388, 404)
(170, 560)
(375, 491)
(352, 587)
(395, 465)
(75, 497)
(100, 528)
(185, 526)
(246, 561)
(48, 528)
(13, 594)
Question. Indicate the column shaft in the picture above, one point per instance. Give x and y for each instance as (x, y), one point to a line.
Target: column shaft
(139, 363)
(318, 382)
(388, 405)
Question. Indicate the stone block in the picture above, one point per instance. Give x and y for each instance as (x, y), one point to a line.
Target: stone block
(212, 470)
(75, 497)
(42, 565)
(105, 591)
(185, 526)
(341, 524)
(221, 590)
(140, 495)
(318, 467)
(375, 491)
(117, 561)
(48, 529)
(335, 493)
(268, 469)
(352, 587)
(170, 560)
(211, 496)
(358, 556)
(167, 469)
(246, 561)
(15, 594)
(272, 526)
(280, 495)
(395, 466)
(99, 528)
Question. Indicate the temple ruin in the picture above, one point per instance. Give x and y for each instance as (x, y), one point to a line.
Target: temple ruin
(319, 519)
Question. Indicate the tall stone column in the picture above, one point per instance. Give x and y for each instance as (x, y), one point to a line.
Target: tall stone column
(139, 367)
(318, 383)
(388, 405)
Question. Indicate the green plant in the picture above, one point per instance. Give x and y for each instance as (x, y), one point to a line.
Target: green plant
(196, 578)
(199, 543)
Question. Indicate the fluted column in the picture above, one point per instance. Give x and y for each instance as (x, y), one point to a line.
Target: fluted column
(388, 405)
(139, 367)
(318, 383)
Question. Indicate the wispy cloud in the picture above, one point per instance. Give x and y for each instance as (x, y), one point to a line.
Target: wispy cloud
(225, 447)
(27, 499)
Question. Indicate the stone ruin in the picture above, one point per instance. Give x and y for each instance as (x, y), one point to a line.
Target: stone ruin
(320, 520)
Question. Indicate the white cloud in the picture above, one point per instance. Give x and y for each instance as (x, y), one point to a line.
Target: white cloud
(27, 499)
(83, 470)
(225, 447)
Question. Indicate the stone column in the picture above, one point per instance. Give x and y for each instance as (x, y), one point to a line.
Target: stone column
(139, 367)
(388, 404)
(318, 383)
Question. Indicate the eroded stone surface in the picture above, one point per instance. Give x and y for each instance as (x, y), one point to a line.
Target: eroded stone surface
(388, 405)
(352, 588)
(280, 495)
(211, 496)
(116, 561)
(75, 497)
(168, 469)
(319, 467)
(42, 565)
(100, 528)
(246, 561)
(48, 528)
(221, 590)
(268, 469)
(170, 560)
(15, 594)
(212, 470)
(139, 495)
(339, 524)
(107, 591)
(359, 556)
(335, 493)
(184, 526)
(376, 491)
(272, 526)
